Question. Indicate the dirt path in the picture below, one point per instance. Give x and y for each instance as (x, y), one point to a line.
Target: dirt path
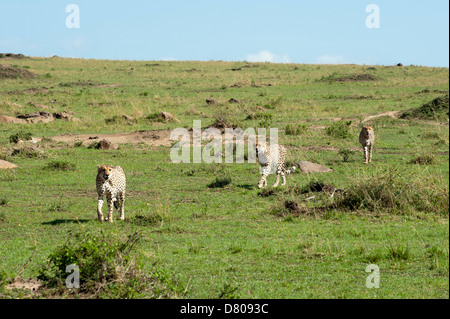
(393, 114)
(153, 138)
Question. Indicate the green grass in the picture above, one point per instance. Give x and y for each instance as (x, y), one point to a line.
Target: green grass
(208, 231)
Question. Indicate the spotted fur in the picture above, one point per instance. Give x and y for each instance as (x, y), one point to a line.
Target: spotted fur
(272, 162)
(111, 182)
(367, 139)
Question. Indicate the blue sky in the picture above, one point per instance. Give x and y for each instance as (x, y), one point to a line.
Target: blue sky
(410, 32)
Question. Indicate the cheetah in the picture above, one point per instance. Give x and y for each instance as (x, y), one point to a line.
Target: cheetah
(271, 162)
(110, 182)
(367, 138)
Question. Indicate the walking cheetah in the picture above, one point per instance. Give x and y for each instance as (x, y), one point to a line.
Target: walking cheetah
(367, 138)
(111, 182)
(271, 163)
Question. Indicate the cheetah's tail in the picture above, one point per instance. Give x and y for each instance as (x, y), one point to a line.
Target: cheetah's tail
(291, 170)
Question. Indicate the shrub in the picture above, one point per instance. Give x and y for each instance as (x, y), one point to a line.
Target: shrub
(340, 129)
(24, 136)
(266, 120)
(105, 265)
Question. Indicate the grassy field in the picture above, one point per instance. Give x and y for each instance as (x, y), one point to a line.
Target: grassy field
(200, 239)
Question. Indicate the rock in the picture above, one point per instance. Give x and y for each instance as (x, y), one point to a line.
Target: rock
(10, 119)
(64, 115)
(128, 118)
(399, 64)
(106, 145)
(37, 117)
(34, 114)
(167, 117)
(211, 101)
(233, 100)
(6, 165)
(309, 167)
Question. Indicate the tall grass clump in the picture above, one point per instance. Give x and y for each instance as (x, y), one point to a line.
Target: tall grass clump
(395, 191)
(295, 129)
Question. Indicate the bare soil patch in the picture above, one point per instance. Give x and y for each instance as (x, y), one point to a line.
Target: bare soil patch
(152, 138)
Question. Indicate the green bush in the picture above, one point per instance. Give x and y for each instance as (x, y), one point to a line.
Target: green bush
(266, 120)
(106, 267)
(340, 129)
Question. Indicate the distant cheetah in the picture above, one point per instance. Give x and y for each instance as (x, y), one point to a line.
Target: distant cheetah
(111, 182)
(367, 138)
(271, 161)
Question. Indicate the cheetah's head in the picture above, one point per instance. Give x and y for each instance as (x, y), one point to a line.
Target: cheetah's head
(260, 147)
(366, 130)
(104, 171)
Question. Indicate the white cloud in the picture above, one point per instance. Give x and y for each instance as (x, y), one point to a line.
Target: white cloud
(330, 59)
(267, 56)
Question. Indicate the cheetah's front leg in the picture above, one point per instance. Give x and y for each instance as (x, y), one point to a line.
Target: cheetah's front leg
(99, 209)
(263, 181)
(366, 155)
(278, 179)
(110, 208)
(370, 154)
